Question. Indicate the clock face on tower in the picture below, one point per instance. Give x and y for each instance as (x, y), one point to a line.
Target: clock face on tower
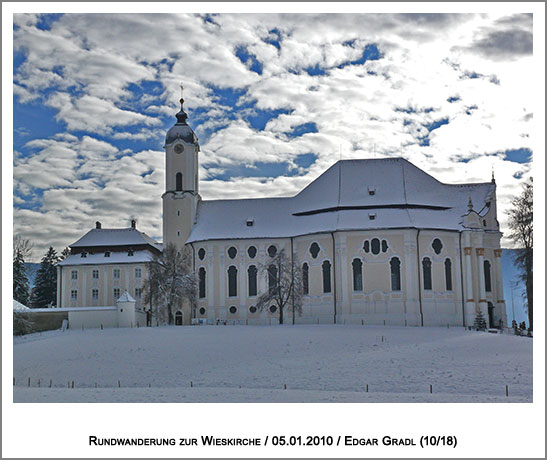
(179, 148)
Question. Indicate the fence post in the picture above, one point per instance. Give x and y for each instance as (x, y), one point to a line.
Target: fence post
(29, 382)
(73, 384)
(119, 384)
(367, 387)
(506, 390)
(430, 388)
(38, 383)
(50, 383)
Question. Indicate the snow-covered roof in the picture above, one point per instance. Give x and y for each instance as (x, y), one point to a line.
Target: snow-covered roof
(98, 258)
(66, 309)
(396, 192)
(125, 297)
(18, 306)
(114, 237)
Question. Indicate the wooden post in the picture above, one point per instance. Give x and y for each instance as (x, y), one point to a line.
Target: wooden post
(362, 323)
(119, 384)
(101, 326)
(29, 382)
(430, 388)
(50, 383)
(507, 390)
(367, 387)
(191, 384)
(284, 386)
(149, 385)
(95, 384)
(13, 381)
(73, 384)
(38, 383)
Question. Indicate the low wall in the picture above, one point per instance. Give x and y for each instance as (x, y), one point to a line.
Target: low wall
(43, 321)
(93, 318)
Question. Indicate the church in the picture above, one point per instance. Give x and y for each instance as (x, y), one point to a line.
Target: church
(379, 242)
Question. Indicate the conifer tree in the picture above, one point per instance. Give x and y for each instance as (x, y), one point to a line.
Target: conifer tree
(480, 322)
(44, 293)
(21, 251)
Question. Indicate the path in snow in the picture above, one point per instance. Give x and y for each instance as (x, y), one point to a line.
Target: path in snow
(317, 363)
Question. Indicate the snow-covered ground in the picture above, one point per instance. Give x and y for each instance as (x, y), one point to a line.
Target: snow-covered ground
(254, 364)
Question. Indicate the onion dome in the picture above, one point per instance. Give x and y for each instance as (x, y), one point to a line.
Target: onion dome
(181, 130)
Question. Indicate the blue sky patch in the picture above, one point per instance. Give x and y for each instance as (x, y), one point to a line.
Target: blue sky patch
(46, 20)
(436, 124)
(521, 156)
(259, 169)
(315, 70)
(303, 129)
(305, 160)
(274, 41)
(453, 99)
(260, 118)
(249, 59)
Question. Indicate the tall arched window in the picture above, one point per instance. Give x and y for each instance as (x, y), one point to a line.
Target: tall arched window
(448, 274)
(201, 274)
(272, 278)
(395, 266)
(232, 281)
(357, 274)
(178, 182)
(426, 265)
(251, 272)
(305, 279)
(326, 277)
(487, 278)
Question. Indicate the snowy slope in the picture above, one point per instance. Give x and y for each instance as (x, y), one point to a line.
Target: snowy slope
(246, 363)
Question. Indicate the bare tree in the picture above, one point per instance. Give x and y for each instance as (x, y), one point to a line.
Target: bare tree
(170, 282)
(284, 285)
(22, 250)
(521, 225)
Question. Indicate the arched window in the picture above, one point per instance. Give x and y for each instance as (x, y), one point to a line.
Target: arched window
(395, 265)
(201, 274)
(487, 279)
(178, 181)
(357, 274)
(232, 281)
(272, 278)
(448, 274)
(426, 265)
(305, 279)
(375, 246)
(251, 272)
(326, 277)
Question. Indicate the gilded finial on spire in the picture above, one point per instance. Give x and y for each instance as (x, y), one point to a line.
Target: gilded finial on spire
(181, 95)
(470, 204)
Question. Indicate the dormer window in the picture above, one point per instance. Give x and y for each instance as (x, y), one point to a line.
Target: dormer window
(130, 253)
(372, 216)
(84, 254)
(372, 191)
(107, 253)
(250, 222)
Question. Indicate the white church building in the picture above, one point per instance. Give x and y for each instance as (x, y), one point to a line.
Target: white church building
(379, 242)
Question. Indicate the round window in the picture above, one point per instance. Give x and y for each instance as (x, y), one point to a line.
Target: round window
(314, 250)
(272, 251)
(375, 246)
(273, 309)
(252, 309)
(233, 310)
(202, 311)
(201, 253)
(252, 252)
(232, 252)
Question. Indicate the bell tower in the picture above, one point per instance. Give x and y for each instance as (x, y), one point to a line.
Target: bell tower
(181, 194)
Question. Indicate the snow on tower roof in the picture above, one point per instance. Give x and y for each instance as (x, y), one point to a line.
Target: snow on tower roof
(350, 195)
(100, 258)
(125, 297)
(115, 237)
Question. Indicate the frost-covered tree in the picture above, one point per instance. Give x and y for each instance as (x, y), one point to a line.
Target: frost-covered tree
(480, 322)
(22, 249)
(64, 254)
(521, 226)
(284, 277)
(44, 292)
(170, 282)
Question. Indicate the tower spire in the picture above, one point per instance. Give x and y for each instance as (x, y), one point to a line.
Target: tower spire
(181, 115)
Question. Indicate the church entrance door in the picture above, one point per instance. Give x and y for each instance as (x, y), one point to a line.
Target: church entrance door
(178, 318)
(491, 315)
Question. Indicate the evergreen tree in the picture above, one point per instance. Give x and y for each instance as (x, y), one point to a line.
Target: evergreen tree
(480, 322)
(64, 254)
(44, 293)
(21, 250)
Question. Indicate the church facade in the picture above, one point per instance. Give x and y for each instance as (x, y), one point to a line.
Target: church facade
(379, 241)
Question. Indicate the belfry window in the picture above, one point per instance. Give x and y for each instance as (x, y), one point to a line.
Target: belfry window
(326, 277)
(178, 180)
(395, 266)
(426, 265)
(448, 274)
(202, 274)
(357, 266)
(252, 276)
(305, 279)
(232, 281)
(487, 278)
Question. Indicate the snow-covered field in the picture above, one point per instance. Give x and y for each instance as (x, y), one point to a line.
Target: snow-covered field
(254, 364)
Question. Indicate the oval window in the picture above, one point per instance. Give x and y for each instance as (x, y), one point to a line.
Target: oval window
(314, 250)
(252, 309)
(375, 246)
(273, 309)
(437, 245)
(233, 310)
(252, 252)
(272, 251)
(201, 253)
(202, 311)
(232, 252)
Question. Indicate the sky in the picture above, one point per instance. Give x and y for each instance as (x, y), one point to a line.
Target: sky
(275, 99)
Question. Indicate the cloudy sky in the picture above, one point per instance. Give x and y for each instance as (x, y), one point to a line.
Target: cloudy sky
(275, 99)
